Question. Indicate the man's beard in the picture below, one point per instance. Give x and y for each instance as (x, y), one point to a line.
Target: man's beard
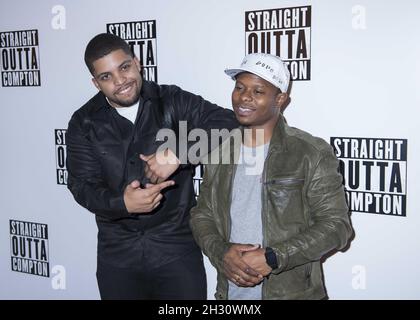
(127, 103)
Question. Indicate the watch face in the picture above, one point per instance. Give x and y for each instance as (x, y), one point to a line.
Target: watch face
(271, 258)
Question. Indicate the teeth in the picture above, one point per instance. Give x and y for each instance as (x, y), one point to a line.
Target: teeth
(242, 109)
(125, 89)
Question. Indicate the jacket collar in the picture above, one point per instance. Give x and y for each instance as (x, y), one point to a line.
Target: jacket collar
(278, 142)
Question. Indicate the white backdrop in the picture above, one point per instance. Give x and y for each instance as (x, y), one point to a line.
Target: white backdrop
(365, 76)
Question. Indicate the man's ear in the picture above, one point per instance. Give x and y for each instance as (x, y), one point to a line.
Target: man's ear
(95, 82)
(282, 101)
(281, 98)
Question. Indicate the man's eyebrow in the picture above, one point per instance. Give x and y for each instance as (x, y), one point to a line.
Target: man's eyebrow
(107, 72)
(102, 74)
(124, 62)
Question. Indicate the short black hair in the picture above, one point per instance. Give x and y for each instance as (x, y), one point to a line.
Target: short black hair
(103, 44)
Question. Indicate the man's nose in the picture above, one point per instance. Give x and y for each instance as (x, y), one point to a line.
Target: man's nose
(119, 79)
(246, 96)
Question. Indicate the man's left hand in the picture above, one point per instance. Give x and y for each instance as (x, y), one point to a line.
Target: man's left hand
(256, 260)
(160, 165)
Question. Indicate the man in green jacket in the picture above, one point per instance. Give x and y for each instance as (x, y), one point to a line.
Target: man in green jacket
(267, 217)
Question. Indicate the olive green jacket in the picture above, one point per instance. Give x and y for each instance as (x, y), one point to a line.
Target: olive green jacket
(304, 211)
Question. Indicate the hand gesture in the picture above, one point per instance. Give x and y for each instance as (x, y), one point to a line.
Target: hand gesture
(144, 200)
(160, 165)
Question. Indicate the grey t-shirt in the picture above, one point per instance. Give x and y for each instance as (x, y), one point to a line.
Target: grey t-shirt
(245, 211)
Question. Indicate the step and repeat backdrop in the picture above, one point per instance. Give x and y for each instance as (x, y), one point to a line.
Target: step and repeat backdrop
(356, 72)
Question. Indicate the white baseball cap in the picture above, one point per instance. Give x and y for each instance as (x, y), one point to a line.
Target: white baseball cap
(267, 66)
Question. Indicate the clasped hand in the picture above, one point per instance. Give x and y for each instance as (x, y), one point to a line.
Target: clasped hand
(245, 265)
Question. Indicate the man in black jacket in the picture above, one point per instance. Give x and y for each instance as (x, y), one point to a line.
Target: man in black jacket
(145, 246)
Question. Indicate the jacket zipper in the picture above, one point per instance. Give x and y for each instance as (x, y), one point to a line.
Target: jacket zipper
(285, 181)
(263, 208)
(229, 220)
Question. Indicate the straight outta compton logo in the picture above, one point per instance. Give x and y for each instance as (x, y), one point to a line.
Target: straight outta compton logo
(29, 247)
(141, 37)
(61, 155)
(20, 59)
(282, 32)
(374, 172)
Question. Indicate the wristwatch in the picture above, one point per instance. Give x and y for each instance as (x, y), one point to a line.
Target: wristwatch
(271, 258)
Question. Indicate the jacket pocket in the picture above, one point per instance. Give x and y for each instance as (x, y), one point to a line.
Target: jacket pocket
(286, 182)
(296, 280)
(308, 272)
(285, 205)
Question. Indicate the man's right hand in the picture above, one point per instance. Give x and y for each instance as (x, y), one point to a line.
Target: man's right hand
(236, 270)
(143, 200)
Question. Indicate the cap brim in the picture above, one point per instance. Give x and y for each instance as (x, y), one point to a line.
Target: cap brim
(234, 72)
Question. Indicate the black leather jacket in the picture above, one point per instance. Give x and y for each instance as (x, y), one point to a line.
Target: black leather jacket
(103, 157)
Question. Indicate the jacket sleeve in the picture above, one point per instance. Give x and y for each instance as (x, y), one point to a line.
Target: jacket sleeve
(329, 227)
(203, 224)
(85, 176)
(198, 113)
